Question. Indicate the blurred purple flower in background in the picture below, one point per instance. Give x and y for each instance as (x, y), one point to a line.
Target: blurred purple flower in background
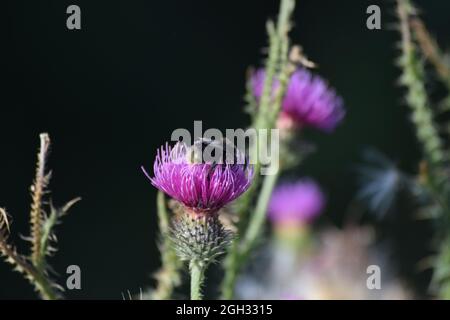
(308, 100)
(201, 187)
(296, 203)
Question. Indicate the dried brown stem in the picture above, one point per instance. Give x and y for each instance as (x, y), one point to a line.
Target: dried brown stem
(21, 264)
(430, 48)
(38, 190)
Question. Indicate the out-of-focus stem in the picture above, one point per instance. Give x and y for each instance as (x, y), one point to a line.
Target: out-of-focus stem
(268, 110)
(238, 257)
(441, 276)
(433, 53)
(163, 216)
(413, 79)
(168, 277)
(256, 222)
(430, 49)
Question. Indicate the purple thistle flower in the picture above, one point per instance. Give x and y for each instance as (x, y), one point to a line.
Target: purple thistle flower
(308, 100)
(298, 202)
(201, 187)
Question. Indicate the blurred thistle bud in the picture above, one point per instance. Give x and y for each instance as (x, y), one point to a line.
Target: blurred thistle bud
(296, 203)
(292, 208)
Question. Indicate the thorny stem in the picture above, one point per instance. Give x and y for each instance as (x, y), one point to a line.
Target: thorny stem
(168, 277)
(44, 287)
(413, 78)
(433, 53)
(163, 216)
(197, 276)
(431, 49)
(38, 191)
(34, 267)
(49, 224)
(257, 220)
(256, 224)
(268, 110)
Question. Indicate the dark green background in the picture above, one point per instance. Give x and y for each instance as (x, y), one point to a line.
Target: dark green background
(111, 93)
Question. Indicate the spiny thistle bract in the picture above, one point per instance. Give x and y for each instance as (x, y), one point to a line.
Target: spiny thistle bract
(199, 238)
(35, 267)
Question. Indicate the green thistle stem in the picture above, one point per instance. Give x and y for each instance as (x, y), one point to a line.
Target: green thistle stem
(441, 277)
(269, 106)
(237, 258)
(431, 50)
(268, 110)
(20, 263)
(259, 216)
(168, 277)
(163, 215)
(45, 289)
(231, 272)
(197, 277)
(413, 78)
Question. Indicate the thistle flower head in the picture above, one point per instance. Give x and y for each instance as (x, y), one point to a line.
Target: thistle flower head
(198, 177)
(308, 100)
(296, 203)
